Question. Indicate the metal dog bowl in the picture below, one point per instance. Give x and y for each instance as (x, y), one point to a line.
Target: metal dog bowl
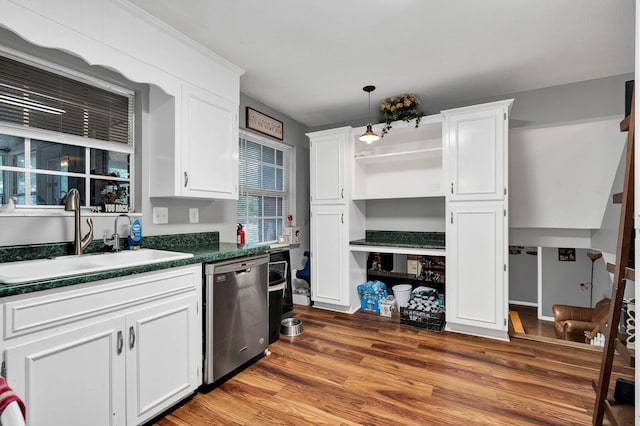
(291, 327)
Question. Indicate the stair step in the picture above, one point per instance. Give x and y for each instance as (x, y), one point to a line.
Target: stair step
(629, 273)
(617, 198)
(624, 124)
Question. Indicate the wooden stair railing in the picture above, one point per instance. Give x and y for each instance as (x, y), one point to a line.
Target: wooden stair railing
(618, 414)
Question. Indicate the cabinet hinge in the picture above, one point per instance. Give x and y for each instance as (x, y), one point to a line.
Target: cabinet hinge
(504, 211)
(3, 370)
(505, 322)
(452, 218)
(505, 190)
(504, 115)
(505, 267)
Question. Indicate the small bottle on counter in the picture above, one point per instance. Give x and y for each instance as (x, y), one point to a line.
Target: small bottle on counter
(135, 235)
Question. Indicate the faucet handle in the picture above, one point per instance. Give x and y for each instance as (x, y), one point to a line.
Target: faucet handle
(86, 240)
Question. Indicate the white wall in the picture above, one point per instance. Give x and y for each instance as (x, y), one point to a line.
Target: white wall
(561, 176)
(605, 238)
(410, 214)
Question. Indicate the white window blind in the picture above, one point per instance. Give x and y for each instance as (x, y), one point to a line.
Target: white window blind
(263, 202)
(38, 98)
(61, 130)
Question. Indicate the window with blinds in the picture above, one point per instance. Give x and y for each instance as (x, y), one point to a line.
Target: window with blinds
(60, 130)
(263, 202)
(41, 99)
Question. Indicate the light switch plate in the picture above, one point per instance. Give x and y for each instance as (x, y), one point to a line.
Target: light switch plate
(160, 215)
(194, 215)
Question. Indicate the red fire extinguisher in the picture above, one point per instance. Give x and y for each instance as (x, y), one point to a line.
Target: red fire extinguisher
(240, 235)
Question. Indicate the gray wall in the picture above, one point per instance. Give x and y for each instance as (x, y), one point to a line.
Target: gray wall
(561, 280)
(294, 135)
(523, 277)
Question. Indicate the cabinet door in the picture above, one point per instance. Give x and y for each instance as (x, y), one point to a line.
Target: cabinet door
(74, 378)
(164, 356)
(327, 168)
(477, 152)
(475, 268)
(209, 145)
(329, 255)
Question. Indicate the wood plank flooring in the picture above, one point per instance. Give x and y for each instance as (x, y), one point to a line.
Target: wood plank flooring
(532, 325)
(366, 369)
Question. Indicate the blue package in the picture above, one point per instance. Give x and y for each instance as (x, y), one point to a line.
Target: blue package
(371, 293)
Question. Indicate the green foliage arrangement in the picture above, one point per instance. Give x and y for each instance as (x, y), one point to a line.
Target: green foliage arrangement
(403, 107)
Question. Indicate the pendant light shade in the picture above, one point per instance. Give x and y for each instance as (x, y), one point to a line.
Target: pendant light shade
(369, 135)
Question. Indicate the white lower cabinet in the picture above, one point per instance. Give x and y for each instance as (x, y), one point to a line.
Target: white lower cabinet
(130, 349)
(73, 378)
(162, 357)
(476, 269)
(330, 256)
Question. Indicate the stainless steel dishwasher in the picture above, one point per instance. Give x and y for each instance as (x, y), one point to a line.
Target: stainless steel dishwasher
(236, 314)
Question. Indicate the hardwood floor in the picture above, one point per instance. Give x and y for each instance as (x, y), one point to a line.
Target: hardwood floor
(366, 369)
(532, 325)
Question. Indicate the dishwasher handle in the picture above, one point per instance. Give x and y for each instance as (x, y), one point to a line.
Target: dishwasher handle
(240, 266)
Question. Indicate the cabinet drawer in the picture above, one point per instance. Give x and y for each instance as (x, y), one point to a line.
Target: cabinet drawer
(33, 313)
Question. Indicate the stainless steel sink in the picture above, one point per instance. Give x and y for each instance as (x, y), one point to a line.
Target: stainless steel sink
(43, 269)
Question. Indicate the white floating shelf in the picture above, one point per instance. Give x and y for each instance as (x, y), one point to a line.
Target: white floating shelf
(396, 156)
(398, 250)
(380, 196)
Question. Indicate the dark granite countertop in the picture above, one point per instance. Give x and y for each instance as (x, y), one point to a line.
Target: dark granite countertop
(419, 240)
(205, 248)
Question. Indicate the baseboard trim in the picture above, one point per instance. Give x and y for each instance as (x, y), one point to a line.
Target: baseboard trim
(335, 308)
(521, 303)
(478, 331)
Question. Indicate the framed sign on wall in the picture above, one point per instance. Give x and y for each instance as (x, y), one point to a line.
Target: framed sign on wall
(264, 124)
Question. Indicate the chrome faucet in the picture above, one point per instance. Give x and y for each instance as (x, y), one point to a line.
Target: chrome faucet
(72, 204)
(115, 237)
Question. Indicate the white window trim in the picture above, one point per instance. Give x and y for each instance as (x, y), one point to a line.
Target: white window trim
(289, 171)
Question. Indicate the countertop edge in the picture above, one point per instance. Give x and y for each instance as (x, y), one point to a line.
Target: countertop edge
(200, 255)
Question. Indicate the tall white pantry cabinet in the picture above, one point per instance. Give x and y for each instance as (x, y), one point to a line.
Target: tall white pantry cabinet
(477, 237)
(335, 220)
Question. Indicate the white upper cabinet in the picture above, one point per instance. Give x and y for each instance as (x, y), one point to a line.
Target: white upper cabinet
(209, 145)
(194, 152)
(327, 166)
(476, 140)
(406, 163)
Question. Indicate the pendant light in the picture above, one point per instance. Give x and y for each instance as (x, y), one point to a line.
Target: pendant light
(369, 135)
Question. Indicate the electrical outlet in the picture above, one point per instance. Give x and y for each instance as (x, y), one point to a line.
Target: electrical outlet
(194, 215)
(160, 215)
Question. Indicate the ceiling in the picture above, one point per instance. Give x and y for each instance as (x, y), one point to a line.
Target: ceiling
(310, 59)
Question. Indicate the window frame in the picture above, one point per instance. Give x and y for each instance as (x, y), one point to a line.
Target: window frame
(286, 193)
(29, 133)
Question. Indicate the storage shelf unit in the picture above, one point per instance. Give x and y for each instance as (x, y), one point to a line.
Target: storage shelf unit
(406, 163)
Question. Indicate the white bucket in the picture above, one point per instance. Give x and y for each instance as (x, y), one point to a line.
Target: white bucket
(402, 292)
